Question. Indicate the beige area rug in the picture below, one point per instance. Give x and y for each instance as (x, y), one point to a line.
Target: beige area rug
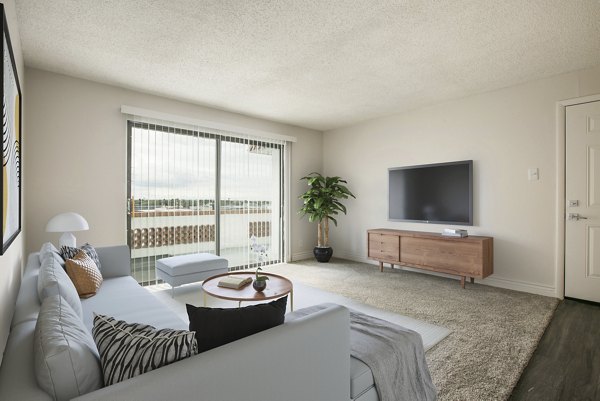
(304, 296)
(494, 331)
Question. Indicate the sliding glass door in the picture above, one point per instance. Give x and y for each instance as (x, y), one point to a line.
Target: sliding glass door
(190, 191)
(250, 212)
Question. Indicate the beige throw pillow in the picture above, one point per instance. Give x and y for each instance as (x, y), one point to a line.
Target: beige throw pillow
(85, 274)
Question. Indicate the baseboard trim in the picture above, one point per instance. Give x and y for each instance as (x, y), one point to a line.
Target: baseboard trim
(356, 257)
(301, 255)
(492, 281)
(523, 286)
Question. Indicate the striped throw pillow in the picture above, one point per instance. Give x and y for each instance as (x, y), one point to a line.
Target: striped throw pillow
(84, 274)
(68, 252)
(130, 349)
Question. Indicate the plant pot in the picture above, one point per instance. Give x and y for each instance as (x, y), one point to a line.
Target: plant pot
(259, 285)
(323, 254)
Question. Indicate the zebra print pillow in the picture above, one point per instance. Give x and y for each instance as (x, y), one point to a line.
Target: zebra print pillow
(130, 349)
(68, 252)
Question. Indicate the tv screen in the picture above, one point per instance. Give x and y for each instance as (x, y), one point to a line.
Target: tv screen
(432, 193)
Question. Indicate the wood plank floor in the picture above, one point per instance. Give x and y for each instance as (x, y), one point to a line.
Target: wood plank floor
(566, 363)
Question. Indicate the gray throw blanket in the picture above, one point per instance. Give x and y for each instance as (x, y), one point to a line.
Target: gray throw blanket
(395, 355)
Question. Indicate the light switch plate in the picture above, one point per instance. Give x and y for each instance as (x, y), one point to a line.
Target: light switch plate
(533, 174)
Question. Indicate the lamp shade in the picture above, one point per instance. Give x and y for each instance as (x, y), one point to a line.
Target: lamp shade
(67, 222)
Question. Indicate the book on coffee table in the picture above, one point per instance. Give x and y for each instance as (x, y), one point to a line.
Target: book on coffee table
(235, 282)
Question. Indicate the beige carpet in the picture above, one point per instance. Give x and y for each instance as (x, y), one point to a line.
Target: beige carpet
(494, 331)
(304, 296)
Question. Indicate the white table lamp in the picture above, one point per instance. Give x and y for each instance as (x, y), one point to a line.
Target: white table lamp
(66, 223)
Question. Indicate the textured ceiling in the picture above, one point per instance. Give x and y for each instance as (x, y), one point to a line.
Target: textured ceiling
(312, 63)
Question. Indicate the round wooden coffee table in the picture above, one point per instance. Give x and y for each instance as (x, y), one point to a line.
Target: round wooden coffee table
(277, 287)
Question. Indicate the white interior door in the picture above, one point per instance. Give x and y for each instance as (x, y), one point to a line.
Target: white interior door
(582, 236)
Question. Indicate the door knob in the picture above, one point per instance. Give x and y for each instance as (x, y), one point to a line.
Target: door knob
(576, 217)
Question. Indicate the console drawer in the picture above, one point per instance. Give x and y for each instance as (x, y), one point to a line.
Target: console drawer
(385, 247)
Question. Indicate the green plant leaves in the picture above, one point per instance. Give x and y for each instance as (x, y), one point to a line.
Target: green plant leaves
(322, 200)
(260, 278)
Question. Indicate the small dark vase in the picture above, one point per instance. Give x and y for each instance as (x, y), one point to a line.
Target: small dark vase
(323, 254)
(259, 285)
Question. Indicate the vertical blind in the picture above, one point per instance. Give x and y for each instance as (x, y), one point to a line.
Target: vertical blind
(192, 189)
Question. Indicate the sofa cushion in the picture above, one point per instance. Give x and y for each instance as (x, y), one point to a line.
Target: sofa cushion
(66, 360)
(123, 298)
(49, 249)
(17, 374)
(84, 274)
(131, 349)
(53, 280)
(217, 326)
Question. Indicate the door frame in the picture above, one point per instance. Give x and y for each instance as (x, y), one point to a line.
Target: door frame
(561, 168)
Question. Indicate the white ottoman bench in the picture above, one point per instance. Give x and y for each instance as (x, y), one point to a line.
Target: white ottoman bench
(185, 269)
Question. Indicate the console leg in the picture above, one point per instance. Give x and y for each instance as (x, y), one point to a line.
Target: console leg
(381, 266)
(462, 281)
(472, 280)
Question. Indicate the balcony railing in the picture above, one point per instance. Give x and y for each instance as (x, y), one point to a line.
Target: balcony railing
(155, 234)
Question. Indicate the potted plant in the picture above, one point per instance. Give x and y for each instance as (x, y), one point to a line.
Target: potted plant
(321, 203)
(260, 282)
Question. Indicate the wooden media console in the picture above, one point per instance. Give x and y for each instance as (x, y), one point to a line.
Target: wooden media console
(471, 256)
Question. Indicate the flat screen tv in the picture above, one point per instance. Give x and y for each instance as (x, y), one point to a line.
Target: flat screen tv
(432, 193)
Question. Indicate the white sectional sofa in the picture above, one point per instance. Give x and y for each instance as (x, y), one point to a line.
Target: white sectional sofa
(304, 359)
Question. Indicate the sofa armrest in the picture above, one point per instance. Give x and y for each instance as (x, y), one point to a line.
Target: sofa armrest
(305, 359)
(115, 261)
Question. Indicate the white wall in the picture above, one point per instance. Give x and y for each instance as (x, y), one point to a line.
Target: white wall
(505, 132)
(12, 261)
(76, 160)
(78, 155)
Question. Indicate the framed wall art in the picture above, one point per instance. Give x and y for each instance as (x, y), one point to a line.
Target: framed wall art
(12, 172)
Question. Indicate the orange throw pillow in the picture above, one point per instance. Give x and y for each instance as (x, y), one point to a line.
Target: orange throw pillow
(84, 273)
